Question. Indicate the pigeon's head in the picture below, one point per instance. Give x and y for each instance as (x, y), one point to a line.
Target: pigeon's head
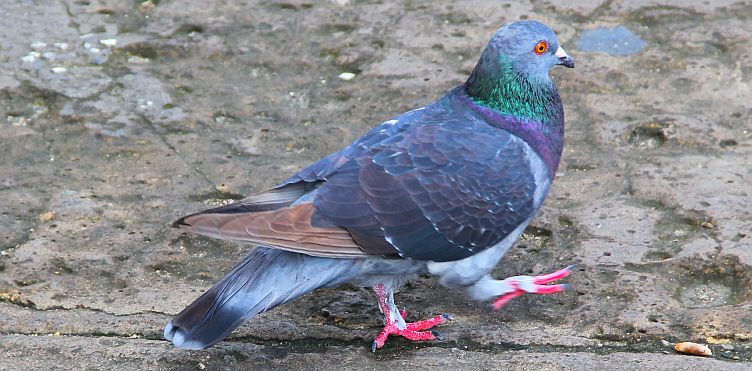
(511, 76)
(528, 49)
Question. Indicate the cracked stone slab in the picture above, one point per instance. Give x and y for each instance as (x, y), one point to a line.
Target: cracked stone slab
(649, 201)
(107, 352)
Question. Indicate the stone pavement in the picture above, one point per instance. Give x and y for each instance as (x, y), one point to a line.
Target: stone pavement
(116, 117)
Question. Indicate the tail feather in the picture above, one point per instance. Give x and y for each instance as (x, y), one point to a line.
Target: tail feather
(264, 279)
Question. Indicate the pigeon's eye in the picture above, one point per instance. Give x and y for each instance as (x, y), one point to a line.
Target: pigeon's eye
(540, 47)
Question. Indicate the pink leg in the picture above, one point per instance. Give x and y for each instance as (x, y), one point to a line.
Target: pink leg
(533, 285)
(413, 331)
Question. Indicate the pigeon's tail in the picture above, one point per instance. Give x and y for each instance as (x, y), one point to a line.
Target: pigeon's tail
(264, 279)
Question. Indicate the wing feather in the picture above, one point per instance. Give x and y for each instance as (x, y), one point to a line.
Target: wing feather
(289, 228)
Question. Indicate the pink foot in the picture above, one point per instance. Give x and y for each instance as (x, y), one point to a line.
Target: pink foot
(533, 285)
(414, 330)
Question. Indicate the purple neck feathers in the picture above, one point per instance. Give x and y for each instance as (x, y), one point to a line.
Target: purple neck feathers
(546, 139)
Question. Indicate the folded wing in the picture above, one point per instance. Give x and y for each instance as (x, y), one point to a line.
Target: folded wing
(432, 186)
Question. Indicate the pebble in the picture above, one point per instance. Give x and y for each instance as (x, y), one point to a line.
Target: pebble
(220, 119)
(346, 76)
(38, 45)
(108, 42)
(17, 120)
(31, 57)
(146, 6)
(58, 69)
(46, 216)
(134, 59)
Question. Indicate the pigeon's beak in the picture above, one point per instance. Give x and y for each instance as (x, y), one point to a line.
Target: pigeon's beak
(564, 58)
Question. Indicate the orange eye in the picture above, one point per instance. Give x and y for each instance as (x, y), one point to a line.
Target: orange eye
(541, 47)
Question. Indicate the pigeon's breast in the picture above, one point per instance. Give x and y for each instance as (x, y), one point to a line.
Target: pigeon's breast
(465, 272)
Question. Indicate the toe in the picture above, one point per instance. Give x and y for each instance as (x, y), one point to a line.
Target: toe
(550, 289)
(551, 277)
(504, 299)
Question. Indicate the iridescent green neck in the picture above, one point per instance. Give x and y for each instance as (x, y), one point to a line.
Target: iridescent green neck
(510, 93)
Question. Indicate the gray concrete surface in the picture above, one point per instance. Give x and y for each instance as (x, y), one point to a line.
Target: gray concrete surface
(116, 117)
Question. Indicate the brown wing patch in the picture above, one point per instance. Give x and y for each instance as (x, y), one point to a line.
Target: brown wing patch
(287, 228)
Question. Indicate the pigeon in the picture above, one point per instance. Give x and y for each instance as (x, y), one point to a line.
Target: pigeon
(444, 189)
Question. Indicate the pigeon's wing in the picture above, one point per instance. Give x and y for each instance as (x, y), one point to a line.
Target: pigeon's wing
(282, 217)
(443, 190)
(429, 185)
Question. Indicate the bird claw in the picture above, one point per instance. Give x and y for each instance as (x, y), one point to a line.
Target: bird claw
(413, 331)
(533, 285)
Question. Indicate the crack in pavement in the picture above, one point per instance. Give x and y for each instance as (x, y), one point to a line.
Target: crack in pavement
(322, 345)
(163, 138)
(28, 304)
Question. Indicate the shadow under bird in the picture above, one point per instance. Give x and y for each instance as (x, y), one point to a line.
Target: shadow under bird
(444, 189)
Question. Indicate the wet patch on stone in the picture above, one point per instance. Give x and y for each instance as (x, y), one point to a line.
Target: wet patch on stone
(618, 41)
(707, 284)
